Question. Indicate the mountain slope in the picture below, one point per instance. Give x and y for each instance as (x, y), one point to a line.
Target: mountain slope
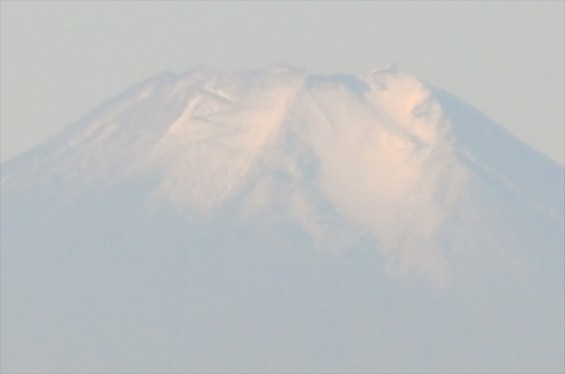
(328, 222)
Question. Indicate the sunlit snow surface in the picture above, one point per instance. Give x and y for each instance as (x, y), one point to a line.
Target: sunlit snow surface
(280, 221)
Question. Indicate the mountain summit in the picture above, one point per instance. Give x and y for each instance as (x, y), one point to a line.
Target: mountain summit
(279, 220)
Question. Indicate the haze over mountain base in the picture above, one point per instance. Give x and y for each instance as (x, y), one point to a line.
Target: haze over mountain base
(282, 221)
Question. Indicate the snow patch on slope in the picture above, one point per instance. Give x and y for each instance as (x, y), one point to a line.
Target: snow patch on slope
(216, 140)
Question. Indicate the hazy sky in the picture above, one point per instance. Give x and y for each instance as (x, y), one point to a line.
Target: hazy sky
(60, 59)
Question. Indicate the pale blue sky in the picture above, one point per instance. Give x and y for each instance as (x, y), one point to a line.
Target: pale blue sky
(60, 59)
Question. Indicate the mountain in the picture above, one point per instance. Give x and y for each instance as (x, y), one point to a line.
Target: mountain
(282, 221)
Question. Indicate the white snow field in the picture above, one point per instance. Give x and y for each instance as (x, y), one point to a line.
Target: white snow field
(282, 221)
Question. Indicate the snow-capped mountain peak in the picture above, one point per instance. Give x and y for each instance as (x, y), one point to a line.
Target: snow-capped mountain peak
(294, 197)
(377, 147)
